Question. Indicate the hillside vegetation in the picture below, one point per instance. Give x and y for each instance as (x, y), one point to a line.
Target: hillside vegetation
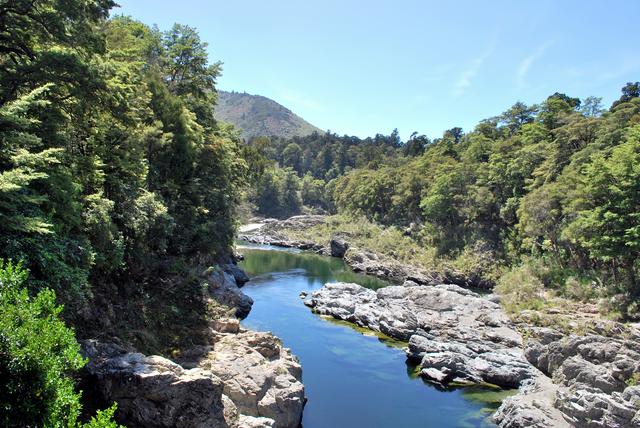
(256, 116)
(114, 178)
(549, 193)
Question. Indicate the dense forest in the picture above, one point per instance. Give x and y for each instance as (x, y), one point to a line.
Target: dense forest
(112, 167)
(551, 191)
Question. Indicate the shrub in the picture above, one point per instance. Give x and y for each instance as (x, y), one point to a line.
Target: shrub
(520, 289)
(38, 352)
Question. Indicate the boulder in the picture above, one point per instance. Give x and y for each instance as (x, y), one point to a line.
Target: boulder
(222, 287)
(258, 374)
(152, 391)
(238, 274)
(338, 246)
(590, 376)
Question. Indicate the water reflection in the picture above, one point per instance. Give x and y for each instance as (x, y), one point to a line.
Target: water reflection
(353, 377)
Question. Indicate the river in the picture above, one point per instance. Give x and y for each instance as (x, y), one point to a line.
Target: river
(353, 378)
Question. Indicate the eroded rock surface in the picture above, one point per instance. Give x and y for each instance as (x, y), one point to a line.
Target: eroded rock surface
(259, 375)
(244, 379)
(593, 375)
(223, 288)
(153, 391)
(453, 333)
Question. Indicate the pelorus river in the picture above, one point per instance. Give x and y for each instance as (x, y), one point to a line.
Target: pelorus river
(352, 377)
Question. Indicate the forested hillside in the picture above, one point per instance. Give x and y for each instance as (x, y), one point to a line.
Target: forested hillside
(114, 174)
(544, 195)
(257, 116)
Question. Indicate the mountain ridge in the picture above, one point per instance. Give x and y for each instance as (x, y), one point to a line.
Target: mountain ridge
(257, 115)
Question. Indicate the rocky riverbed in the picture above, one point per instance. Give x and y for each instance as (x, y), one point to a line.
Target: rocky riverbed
(584, 377)
(459, 337)
(241, 378)
(454, 334)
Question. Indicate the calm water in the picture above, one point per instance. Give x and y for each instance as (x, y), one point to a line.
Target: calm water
(351, 379)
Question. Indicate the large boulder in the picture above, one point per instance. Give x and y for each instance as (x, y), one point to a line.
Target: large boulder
(238, 274)
(259, 375)
(338, 246)
(223, 288)
(593, 377)
(152, 391)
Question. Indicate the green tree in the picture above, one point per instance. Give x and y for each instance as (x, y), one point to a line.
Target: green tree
(37, 355)
(607, 209)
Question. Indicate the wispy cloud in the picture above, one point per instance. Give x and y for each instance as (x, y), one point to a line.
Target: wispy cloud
(527, 62)
(466, 78)
(296, 100)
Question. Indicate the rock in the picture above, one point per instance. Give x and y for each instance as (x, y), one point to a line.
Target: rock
(303, 294)
(223, 289)
(259, 375)
(238, 274)
(435, 375)
(338, 246)
(532, 407)
(453, 333)
(589, 374)
(226, 325)
(153, 391)
(253, 422)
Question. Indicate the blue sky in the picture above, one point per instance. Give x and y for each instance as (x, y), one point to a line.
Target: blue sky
(362, 67)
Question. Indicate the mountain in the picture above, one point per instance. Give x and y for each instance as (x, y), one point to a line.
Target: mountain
(260, 116)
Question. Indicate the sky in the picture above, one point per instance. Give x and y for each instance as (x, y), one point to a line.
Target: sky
(361, 67)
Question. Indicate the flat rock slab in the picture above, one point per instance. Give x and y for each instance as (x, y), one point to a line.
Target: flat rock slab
(453, 333)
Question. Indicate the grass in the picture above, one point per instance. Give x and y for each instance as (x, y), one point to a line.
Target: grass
(392, 244)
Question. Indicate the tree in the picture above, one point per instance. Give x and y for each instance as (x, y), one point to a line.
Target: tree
(592, 107)
(37, 355)
(607, 219)
(455, 134)
(629, 91)
(292, 157)
(416, 145)
(518, 115)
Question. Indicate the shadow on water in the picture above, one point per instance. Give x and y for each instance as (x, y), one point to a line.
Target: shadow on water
(351, 379)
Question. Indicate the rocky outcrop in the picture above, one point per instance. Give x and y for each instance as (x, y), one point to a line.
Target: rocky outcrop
(223, 288)
(259, 375)
(153, 391)
(238, 274)
(453, 333)
(338, 246)
(244, 379)
(238, 378)
(594, 376)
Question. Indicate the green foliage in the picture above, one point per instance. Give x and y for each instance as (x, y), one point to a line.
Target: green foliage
(520, 289)
(278, 193)
(37, 354)
(555, 185)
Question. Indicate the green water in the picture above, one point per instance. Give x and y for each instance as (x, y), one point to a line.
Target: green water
(353, 377)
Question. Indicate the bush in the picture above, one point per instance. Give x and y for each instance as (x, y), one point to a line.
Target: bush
(520, 289)
(38, 352)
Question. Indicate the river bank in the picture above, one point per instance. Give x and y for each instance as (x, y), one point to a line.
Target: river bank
(353, 377)
(572, 369)
(228, 376)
